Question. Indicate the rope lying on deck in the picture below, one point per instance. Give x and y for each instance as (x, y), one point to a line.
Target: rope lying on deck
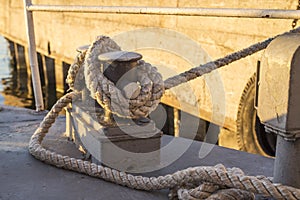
(191, 183)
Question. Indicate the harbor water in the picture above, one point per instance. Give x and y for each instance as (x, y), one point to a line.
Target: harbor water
(16, 85)
(5, 68)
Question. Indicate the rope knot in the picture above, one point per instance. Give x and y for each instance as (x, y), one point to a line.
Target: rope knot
(134, 99)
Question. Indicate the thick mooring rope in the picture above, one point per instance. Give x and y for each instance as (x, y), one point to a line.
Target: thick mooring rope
(221, 62)
(193, 183)
(190, 183)
(105, 92)
(75, 78)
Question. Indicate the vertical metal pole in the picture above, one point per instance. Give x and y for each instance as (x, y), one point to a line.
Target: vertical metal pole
(287, 160)
(36, 81)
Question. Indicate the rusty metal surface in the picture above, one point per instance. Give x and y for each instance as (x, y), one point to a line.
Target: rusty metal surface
(120, 56)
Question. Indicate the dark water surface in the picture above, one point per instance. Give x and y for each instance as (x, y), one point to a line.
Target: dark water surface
(15, 81)
(4, 65)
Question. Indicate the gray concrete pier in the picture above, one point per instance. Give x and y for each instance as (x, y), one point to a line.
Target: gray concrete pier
(23, 177)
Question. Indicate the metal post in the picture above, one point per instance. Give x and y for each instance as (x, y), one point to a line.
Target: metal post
(287, 170)
(33, 57)
(278, 104)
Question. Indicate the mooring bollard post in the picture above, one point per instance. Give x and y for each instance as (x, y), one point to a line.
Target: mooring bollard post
(278, 104)
(118, 67)
(114, 130)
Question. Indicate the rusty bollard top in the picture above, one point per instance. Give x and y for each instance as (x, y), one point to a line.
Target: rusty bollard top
(120, 64)
(120, 56)
(120, 70)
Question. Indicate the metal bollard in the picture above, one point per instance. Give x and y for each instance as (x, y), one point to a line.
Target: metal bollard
(278, 104)
(118, 66)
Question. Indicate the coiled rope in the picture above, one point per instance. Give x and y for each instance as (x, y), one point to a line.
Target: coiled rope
(105, 92)
(193, 183)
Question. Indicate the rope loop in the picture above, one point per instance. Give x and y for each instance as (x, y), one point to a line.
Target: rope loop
(143, 96)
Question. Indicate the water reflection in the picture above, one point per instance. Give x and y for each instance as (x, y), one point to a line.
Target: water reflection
(16, 85)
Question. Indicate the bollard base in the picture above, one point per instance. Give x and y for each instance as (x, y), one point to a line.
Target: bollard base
(287, 170)
(128, 147)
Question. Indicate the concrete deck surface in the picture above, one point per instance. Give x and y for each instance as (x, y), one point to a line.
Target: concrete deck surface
(24, 177)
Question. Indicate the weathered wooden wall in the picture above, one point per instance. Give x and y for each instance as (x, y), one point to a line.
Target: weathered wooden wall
(58, 35)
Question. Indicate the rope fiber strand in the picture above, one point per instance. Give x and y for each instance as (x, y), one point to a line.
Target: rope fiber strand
(201, 182)
(85, 69)
(221, 62)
